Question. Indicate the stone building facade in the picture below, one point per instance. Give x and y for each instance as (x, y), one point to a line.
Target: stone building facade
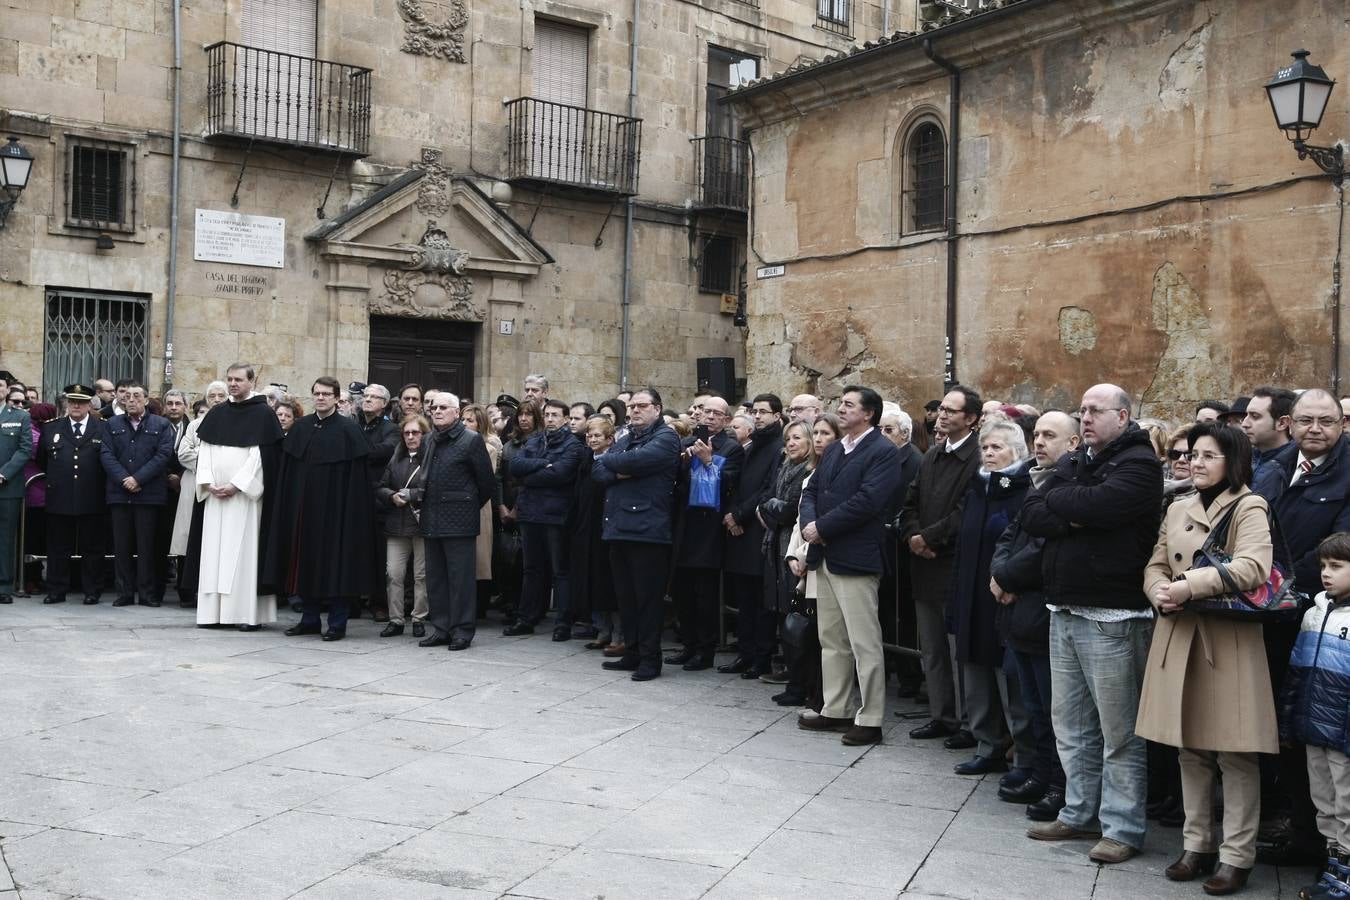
(367, 189)
(1125, 208)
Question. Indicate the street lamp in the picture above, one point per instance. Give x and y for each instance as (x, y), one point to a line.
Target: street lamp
(16, 164)
(1298, 97)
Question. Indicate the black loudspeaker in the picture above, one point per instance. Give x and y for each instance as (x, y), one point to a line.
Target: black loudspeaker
(718, 373)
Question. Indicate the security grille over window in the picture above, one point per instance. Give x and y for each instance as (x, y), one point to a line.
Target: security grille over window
(835, 16)
(100, 184)
(926, 170)
(92, 335)
(717, 265)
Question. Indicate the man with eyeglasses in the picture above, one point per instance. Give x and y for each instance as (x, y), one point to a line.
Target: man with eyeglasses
(700, 541)
(804, 408)
(1099, 513)
(323, 525)
(928, 525)
(1309, 493)
(16, 448)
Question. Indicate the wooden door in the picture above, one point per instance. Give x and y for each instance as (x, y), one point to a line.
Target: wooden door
(432, 354)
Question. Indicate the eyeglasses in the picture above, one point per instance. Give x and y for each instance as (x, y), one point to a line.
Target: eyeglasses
(18, 401)
(1175, 455)
(322, 395)
(1204, 457)
(1092, 412)
(1308, 421)
(641, 405)
(890, 429)
(948, 411)
(435, 408)
(416, 431)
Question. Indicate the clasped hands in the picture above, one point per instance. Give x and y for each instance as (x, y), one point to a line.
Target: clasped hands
(223, 492)
(1171, 596)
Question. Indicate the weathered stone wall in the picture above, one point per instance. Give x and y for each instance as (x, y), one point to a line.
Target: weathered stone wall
(104, 70)
(1129, 213)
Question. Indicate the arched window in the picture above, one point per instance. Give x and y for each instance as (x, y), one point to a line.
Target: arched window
(924, 192)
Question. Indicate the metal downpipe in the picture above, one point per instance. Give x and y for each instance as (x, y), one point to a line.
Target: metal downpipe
(953, 153)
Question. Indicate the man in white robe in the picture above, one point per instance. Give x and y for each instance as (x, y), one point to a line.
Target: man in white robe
(238, 442)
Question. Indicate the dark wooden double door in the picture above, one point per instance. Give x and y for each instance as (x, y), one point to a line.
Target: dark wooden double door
(432, 354)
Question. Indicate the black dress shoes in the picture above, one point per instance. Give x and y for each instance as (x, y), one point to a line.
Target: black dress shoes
(332, 635)
(934, 729)
(518, 628)
(620, 665)
(754, 672)
(297, 630)
(150, 602)
(645, 673)
(60, 598)
(962, 740)
(90, 600)
(1029, 791)
(1191, 865)
(1047, 808)
(735, 667)
(698, 663)
(679, 659)
(124, 601)
(6, 599)
(436, 640)
(187, 603)
(789, 698)
(458, 643)
(391, 630)
(246, 627)
(981, 765)
(419, 630)
(561, 633)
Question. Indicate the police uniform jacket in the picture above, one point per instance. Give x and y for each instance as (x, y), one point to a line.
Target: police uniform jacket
(141, 453)
(75, 479)
(16, 448)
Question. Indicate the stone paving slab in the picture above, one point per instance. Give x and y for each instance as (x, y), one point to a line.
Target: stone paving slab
(146, 758)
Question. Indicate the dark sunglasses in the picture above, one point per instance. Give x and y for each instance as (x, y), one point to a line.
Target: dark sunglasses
(1175, 455)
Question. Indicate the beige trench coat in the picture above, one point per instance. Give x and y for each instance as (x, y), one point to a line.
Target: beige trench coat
(1207, 685)
(483, 548)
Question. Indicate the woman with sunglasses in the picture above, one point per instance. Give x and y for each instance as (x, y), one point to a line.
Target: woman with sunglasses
(399, 486)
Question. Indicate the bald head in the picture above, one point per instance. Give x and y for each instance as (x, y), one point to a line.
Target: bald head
(1056, 434)
(1105, 414)
(804, 408)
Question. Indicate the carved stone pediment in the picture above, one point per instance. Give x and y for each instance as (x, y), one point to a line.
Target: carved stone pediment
(434, 28)
(431, 284)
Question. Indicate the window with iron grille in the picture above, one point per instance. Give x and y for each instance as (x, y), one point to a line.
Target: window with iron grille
(925, 194)
(718, 264)
(835, 15)
(100, 184)
(90, 334)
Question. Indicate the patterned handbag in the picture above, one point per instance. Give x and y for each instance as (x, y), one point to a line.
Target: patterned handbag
(1274, 601)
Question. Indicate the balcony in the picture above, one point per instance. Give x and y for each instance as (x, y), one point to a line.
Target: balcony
(556, 145)
(287, 100)
(722, 171)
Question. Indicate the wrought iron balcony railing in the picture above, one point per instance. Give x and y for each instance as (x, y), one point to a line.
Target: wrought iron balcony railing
(282, 98)
(554, 143)
(722, 168)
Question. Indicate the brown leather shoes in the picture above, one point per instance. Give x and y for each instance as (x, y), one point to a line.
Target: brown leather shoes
(1191, 865)
(615, 650)
(1226, 880)
(861, 735)
(823, 723)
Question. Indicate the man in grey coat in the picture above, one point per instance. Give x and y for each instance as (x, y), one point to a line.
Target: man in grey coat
(458, 481)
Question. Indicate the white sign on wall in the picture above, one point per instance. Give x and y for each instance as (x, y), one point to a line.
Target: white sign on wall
(229, 237)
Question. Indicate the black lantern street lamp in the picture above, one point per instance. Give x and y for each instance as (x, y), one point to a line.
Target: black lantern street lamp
(16, 164)
(1298, 97)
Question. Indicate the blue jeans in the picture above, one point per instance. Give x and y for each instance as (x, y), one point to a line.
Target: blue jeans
(1096, 671)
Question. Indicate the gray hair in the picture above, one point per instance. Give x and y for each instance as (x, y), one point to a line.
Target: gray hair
(379, 389)
(1013, 434)
(537, 379)
(744, 418)
(174, 392)
(224, 388)
(454, 400)
(903, 419)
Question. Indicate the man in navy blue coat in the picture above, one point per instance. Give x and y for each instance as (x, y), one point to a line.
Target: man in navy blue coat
(135, 456)
(640, 470)
(842, 516)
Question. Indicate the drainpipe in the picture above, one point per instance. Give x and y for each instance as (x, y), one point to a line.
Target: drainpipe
(953, 153)
(628, 207)
(172, 291)
(885, 18)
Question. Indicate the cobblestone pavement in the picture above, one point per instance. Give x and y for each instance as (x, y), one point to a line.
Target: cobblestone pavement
(141, 757)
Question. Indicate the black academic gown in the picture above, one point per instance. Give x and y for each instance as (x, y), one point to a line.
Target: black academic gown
(323, 520)
(246, 423)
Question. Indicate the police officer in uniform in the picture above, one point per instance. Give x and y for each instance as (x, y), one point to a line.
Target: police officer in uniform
(76, 495)
(16, 448)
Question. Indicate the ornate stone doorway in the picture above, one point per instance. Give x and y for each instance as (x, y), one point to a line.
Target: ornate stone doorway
(432, 354)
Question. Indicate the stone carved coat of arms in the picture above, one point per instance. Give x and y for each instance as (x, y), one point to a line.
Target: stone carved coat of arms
(432, 284)
(434, 28)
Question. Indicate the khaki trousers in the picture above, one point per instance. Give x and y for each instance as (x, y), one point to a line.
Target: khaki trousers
(850, 642)
(1241, 803)
(1329, 784)
(397, 551)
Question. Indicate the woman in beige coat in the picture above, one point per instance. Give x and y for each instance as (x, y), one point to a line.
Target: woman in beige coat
(1207, 686)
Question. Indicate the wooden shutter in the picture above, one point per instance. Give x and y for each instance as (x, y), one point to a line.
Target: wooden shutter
(279, 94)
(561, 60)
(290, 26)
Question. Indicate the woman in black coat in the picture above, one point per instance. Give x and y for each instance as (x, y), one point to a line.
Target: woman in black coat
(779, 513)
(992, 702)
(592, 584)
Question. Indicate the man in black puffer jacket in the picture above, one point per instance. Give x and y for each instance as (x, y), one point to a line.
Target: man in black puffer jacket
(457, 483)
(546, 468)
(1099, 513)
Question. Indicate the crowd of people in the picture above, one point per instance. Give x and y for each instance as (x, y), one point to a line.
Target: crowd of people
(1115, 615)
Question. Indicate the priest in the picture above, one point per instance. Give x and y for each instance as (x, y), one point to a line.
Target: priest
(323, 524)
(237, 457)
